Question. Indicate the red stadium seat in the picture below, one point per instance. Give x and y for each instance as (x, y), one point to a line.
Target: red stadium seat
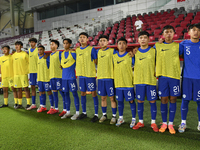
(129, 40)
(151, 38)
(90, 38)
(186, 36)
(176, 37)
(111, 42)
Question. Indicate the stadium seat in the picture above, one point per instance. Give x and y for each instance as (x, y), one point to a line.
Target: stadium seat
(151, 38)
(176, 37)
(129, 40)
(186, 36)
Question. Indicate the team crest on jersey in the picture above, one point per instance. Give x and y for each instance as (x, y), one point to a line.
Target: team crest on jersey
(184, 96)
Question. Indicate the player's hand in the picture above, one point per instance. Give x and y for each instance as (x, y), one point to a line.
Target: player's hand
(160, 40)
(135, 50)
(0, 79)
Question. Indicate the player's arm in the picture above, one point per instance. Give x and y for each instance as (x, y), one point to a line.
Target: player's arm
(181, 49)
(133, 63)
(48, 61)
(94, 55)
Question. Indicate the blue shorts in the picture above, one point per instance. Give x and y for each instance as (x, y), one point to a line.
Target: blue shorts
(69, 85)
(168, 87)
(128, 94)
(56, 83)
(87, 84)
(191, 89)
(106, 87)
(33, 78)
(148, 90)
(44, 86)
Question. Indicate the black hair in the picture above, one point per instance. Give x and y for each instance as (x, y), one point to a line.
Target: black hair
(56, 42)
(8, 47)
(84, 33)
(168, 27)
(69, 40)
(18, 43)
(41, 46)
(104, 36)
(33, 40)
(143, 33)
(197, 25)
(122, 39)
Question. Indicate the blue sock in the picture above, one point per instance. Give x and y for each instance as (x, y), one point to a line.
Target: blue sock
(184, 109)
(114, 111)
(133, 109)
(153, 111)
(121, 107)
(172, 111)
(67, 101)
(44, 99)
(33, 99)
(76, 100)
(83, 103)
(41, 100)
(64, 101)
(96, 104)
(163, 109)
(198, 109)
(104, 109)
(51, 100)
(55, 94)
(140, 110)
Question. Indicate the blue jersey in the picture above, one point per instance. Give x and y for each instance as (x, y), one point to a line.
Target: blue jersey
(191, 64)
(68, 73)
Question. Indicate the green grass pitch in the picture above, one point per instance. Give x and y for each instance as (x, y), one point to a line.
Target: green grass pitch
(23, 130)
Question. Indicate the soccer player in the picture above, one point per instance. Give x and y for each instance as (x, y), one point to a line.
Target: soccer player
(56, 77)
(33, 58)
(21, 70)
(168, 71)
(191, 74)
(6, 63)
(86, 58)
(145, 80)
(68, 64)
(43, 79)
(105, 78)
(123, 80)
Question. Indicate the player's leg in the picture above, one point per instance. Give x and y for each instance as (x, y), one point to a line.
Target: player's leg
(114, 109)
(64, 103)
(76, 103)
(5, 95)
(103, 94)
(91, 86)
(67, 104)
(130, 96)
(83, 88)
(186, 97)
(96, 106)
(42, 102)
(27, 91)
(120, 99)
(59, 87)
(15, 96)
(110, 91)
(51, 100)
(19, 93)
(163, 90)
(53, 83)
(172, 112)
(153, 115)
(140, 95)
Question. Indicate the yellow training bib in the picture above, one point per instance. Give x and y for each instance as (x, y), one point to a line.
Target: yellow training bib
(55, 70)
(167, 60)
(67, 62)
(105, 64)
(123, 74)
(144, 68)
(84, 65)
(43, 70)
(33, 58)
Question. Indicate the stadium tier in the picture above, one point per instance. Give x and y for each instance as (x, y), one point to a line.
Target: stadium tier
(152, 23)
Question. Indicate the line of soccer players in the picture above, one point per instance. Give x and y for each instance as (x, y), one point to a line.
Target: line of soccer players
(114, 74)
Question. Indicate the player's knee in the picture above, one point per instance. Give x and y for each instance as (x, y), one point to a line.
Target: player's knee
(139, 101)
(131, 101)
(112, 99)
(103, 98)
(74, 94)
(33, 87)
(164, 100)
(49, 93)
(83, 93)
(173, 99)
(94, 93)
(152, 101)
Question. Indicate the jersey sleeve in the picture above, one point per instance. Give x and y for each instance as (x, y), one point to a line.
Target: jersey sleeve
(133, 61)
(93, 54)
(48, 61)
(181, 48)
(60, 55)
(74, 55)
(115, 51)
